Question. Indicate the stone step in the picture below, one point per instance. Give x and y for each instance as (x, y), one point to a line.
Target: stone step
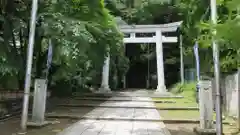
(124, 106)
(121, 99)
(59, 116)
(168, 121)
(66, 116)
(129, 94)
(135, 95)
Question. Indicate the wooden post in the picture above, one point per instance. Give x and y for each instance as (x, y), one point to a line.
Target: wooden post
(206, 104)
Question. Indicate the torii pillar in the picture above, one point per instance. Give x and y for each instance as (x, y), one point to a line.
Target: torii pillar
(161, 87)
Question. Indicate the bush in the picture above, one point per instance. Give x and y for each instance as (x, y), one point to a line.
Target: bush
(186, 87)
(188, 90)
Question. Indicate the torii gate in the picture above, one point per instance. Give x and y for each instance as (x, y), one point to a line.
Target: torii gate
(158, 39)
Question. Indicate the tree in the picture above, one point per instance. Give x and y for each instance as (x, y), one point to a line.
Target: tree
(227, 34)
(197, 28)
(81, 31)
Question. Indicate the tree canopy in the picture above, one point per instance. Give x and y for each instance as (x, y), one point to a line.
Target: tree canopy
(84, 31)
(197, 26)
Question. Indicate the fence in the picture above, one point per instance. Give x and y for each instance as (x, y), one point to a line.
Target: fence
(230, 88)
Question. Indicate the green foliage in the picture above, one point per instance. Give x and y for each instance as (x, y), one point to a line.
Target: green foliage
(227, 34)
(148, 12)
(82, 33)
(198, 27)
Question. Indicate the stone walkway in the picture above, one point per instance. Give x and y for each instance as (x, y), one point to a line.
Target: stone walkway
(125, 121)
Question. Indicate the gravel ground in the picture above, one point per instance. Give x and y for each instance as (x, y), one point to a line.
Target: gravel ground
(12, 127)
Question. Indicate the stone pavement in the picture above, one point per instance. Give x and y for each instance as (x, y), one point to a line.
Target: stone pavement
(125, 121)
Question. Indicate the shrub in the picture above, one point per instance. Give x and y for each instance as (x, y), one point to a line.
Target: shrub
(186, 87)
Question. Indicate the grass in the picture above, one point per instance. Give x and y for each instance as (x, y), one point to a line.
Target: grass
(182, 114)
(188, 101)
(187, 129)
(189, 115)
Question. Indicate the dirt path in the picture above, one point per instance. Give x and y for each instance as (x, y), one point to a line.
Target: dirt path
(12, 127)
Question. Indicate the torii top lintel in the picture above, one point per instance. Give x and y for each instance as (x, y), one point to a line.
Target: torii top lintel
(170, 27)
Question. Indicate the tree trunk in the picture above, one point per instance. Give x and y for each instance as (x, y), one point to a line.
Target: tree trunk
(22, 48)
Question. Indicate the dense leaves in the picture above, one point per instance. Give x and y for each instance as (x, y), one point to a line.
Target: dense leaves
(82, 33)
(198, 27)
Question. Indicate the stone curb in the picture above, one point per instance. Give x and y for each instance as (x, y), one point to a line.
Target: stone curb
(109, 96)
(135, 107)
(166, 121)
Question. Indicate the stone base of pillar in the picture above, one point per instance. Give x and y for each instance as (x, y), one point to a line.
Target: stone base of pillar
(104, 89)
(161, 89)
(34, 124)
